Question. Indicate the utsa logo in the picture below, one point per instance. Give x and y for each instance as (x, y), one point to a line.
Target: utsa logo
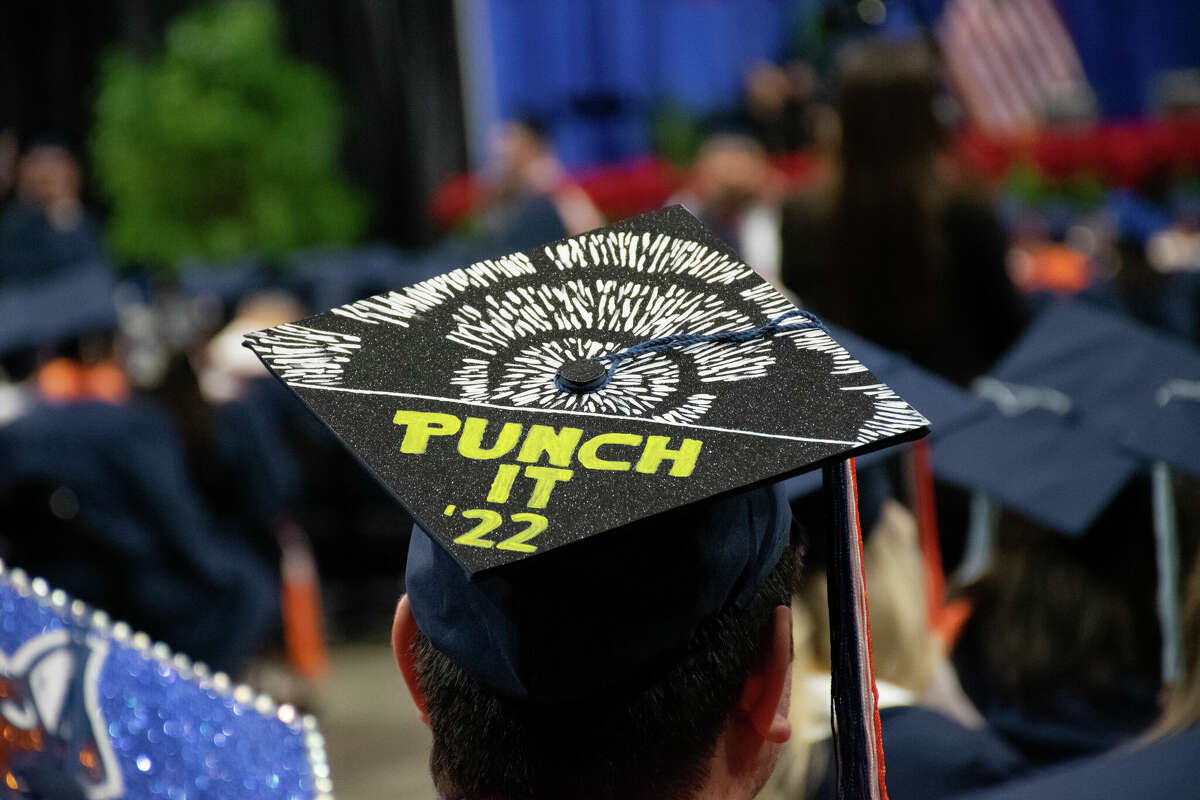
(53, 739)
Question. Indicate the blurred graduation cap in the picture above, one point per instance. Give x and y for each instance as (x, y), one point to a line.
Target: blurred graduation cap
(1035, 462)
(587, 434)
(224, 283)
(1129, 384)
(74, 301)
(93, 710)
(1084, 401)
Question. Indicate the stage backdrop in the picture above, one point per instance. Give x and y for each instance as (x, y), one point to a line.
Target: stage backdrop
(595, 69)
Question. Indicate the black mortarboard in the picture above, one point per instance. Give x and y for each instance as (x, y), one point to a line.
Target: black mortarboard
(437, 386)
(638, 380)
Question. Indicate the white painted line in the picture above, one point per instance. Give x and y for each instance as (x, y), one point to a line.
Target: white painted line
(573, 413)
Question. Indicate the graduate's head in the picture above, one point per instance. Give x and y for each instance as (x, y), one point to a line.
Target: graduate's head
(516, 147)
(730, 174)
(653, 662)
(48, 173)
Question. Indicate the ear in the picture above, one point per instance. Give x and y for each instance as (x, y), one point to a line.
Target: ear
(767, 693)
(404, 637)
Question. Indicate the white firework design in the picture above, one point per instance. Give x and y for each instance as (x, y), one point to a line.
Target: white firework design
(530, 331)
(632, 312)
(638, 388)
(892, 416)
(516, 332)
(306, 355)
(527, 378)
(397, 308)
(648, 253)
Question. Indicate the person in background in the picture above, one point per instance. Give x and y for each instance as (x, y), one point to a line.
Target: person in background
(936, 743)
(1161, 764)
(734, 191)
(9, 150)
(1061, 652)
(96, 487)
(522, 166)
(894, 219)
(1146, 288)
(47, 228)
(779, 105)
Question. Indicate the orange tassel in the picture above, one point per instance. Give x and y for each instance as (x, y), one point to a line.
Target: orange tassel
(925, 509)
(303, 624)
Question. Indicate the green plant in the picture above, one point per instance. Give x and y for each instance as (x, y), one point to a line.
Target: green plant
(1082, 190)
(222, 145)
(675, 134)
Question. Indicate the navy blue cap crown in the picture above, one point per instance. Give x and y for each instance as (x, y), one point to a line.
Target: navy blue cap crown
(597, 612)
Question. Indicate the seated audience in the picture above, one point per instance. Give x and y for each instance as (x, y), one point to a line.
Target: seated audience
(1061, 654)
(935, 743)
(47, 228)
(1160, 764)
(522, 166)
(734, 191)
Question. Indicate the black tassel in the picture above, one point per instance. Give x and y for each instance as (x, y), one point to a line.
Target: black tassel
(853, 698)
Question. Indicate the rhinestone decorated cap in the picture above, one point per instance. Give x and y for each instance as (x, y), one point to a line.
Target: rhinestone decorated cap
(91, 709)
(475, 397)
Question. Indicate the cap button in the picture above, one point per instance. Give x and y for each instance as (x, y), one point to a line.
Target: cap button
(581, 377)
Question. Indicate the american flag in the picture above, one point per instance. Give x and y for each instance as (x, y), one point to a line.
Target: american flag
(1009, 60)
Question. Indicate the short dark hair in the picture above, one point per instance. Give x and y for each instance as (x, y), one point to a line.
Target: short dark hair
(646, 738)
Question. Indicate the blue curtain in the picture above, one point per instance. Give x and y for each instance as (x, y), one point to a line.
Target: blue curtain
(595, 69)
(1124, 43)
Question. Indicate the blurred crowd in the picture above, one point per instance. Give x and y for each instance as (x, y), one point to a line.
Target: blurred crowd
(149, 466)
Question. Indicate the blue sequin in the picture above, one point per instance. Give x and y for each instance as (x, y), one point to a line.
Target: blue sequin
(173, 739)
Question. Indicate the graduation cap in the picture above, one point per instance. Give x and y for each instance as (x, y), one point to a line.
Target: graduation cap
(1127, 383)
(587, 434)
(1084, 401)
(94, 710)
(73, 301)
(225, 283)
(1037, 463)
